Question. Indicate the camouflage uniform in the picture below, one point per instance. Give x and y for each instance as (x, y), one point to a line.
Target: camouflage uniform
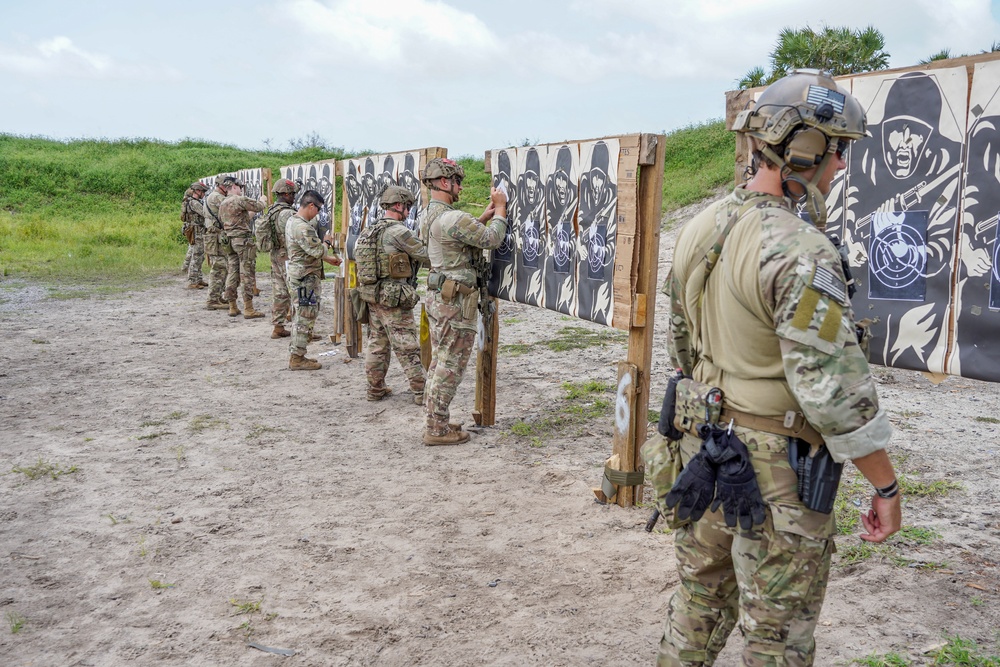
(235, 214)
(452, 237)
(194, 213)
(390, 311)
(305, 274)
(214, 246)
(772, 342)
(280, 300)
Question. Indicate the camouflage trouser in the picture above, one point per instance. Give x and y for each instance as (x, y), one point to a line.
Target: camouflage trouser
(773, 578)
(393, 329)
(280, 301)
(253, 259)
(452, 340)
(242, 267)
(217, 260)
(187, 259)
(196, 252)
(306, 292)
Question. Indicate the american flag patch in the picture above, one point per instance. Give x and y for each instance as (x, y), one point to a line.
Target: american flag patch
(818, 94)
(826, 282)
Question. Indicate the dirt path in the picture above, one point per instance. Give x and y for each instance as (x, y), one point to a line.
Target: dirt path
(203, 465)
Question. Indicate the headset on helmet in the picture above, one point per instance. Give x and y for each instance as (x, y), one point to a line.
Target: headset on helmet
(798, 122)
(396, 194)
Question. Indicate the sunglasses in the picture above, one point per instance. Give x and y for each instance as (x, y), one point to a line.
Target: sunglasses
(842, 146)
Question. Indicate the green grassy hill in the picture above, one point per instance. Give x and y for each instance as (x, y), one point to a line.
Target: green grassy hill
(110, 210)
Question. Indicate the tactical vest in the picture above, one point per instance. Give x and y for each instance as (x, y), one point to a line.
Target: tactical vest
(266, 230)
(372, 259)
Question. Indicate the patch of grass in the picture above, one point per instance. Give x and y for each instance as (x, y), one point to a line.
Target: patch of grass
(580, 338)
(39, 341)
(936, 488)
(653, 416)
(977, 601)
(521, 428)
(151, 422)
(177, 414)
(932, 565)
(246, 606)
(156, 584)
(887, 660)
(257, 430)
(965, 652)
(585, 389)
(44, 468)
(846, 504)
(987, 420)
(699, 159)
(513, 320)
(143, 551)
(181, 454)
(204, 422)
(918, 535)
(15, 621)
(515, 349)
(853, 554)
(154, 436)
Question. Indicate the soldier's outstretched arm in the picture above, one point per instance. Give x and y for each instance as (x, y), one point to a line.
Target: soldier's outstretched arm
(406, 242)
(470, 231)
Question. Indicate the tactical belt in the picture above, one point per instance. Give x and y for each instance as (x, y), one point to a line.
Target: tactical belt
(794, 425)
(458, 287)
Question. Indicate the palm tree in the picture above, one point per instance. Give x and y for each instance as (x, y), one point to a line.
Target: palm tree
(837, 50)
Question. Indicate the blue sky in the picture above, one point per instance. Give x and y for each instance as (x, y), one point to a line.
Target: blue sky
(388, 75)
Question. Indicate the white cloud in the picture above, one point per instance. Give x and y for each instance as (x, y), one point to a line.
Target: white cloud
(399, 34)
(59, 57)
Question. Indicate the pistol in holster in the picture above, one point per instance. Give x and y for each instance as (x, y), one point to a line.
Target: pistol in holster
(668, 410)
(818, 475)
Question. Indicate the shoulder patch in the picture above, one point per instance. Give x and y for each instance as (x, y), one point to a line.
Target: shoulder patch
(827, 282)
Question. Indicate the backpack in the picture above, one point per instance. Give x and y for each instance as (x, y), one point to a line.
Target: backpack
(266, 231)
(367, 251)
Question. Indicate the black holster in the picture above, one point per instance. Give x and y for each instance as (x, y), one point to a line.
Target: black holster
(668, 410)
(818, 475)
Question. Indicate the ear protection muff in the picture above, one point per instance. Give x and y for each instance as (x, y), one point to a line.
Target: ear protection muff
(806, 149)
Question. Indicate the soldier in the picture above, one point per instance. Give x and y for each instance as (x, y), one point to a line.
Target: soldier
(216, 245)
(453, 239)
(270, 233)
(760, 310)
(193, 215)
(306, 254)
(384, 254)
(235, 214)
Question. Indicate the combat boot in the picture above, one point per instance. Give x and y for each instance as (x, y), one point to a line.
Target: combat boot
(280, 332)
(195, 286)
(298, 362)
(203, 283)
(248, 310)
(378, 393)
(418, 393)
(451, 437)
(256, 292)
(233, 310)
(216, 305)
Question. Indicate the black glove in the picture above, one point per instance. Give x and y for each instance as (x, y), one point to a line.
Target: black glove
(694, 487)
(736, 487)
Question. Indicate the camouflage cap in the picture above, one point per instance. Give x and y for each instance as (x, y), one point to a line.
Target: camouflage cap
(198, 185)
(441, 167)
(396, 194)
(285, 186)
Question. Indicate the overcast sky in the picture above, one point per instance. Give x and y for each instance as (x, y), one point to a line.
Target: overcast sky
(388, 75)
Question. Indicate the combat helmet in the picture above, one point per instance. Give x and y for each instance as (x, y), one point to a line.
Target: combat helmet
(441, 167)
(396, 194)
(199, 186)
(285, 186)
(799, 122)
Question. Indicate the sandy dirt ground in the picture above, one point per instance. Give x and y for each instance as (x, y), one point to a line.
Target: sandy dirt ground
(212, 498)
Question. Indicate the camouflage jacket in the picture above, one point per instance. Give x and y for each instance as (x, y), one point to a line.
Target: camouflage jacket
(235, 215)
(193, 211)
(774, 329)
(212, 202)
(452, 236)
(398, 238)
(304, 247)
(281, 223)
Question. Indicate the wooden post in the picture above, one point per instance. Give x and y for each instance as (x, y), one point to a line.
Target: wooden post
(640, 340)
(486, 372)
